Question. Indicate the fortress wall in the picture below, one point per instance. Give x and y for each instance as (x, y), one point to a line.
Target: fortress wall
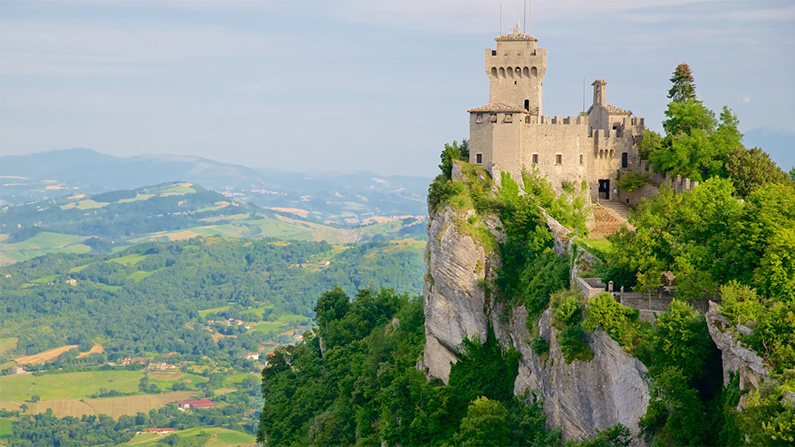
(553, 136)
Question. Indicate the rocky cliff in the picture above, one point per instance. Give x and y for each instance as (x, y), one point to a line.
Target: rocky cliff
(736, 357)
(580, 397)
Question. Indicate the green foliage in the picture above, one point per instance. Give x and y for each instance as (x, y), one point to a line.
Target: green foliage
(365, 388)
(442, 190)
(684, 86)
(570, 208)
(452, 152)
(540, 345)
(486, 423)
(567, 317)
(651, 142)
(740, 303)
(750, 169)
(674, 416)
(632, 180)
(615, 436)
(769, 415)
(619, 322)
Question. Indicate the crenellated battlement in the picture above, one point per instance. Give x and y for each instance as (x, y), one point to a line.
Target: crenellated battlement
(557, 120)
(675, 182)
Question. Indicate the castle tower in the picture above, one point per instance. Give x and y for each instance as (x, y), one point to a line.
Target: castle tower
(515, 70)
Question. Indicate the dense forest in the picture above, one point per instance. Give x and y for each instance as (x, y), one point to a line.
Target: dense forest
(147, 299)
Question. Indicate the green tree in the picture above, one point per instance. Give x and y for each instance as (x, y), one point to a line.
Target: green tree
(684, 87)
(486, 423)
(750, 169)
(452, 152)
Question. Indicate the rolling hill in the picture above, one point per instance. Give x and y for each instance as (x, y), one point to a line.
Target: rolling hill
(109, 221)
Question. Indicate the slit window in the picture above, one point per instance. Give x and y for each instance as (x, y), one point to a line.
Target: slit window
(479, 158)
(558, 159)
(535, 159)
(624, 160)
(581, 160)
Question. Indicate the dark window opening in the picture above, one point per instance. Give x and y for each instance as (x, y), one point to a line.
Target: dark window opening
(527, 104)
(558, 159)
(581, 160)
(493, 52)
(535, 159)
(479, 158)
(624, 160)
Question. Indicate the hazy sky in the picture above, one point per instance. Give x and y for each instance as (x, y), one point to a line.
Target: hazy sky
(349, 85)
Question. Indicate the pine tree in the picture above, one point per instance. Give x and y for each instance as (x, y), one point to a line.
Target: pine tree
(684, 87)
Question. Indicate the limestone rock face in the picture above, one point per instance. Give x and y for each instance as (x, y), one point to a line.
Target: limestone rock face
(735, 356)
(454, 302)
(580, 397)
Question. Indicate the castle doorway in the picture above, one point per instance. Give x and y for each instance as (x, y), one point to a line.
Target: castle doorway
(604, 189)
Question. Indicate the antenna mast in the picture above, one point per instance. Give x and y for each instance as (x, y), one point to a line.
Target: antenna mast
(529, 14)
(524, 16)
(500, 20)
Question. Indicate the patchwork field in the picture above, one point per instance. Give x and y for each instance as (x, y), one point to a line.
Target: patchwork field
(69, 385)
(42, 244)
(96, 349)
(44, 356)
(112, 406)
(216, 437)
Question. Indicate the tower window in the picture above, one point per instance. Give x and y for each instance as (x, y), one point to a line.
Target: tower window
(624, 160)
(493, 117)
(558, 159)
(479, 118)
(479, 158)
(508, 117)
(535, 159)
(581, 160)
(527, 104)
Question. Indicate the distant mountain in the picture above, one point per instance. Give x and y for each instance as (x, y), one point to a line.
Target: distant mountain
(343, 199)
(78, 222)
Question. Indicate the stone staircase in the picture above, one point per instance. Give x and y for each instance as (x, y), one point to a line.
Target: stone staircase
(609, 217)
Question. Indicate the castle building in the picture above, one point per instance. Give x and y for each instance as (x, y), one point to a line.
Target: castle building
(510, 133)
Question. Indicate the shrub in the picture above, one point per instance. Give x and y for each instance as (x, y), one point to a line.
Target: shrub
(632, 180)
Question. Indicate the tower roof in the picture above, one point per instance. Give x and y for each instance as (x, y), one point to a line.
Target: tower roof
(516, 35)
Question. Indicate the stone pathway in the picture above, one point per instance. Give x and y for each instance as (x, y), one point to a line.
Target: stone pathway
(609, 217)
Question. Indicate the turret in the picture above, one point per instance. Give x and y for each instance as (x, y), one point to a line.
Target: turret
(516, 69)
(599, 92)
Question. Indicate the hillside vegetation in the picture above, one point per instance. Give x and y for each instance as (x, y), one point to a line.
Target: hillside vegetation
(172, 211)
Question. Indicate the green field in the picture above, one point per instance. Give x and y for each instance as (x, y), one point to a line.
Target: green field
(67, 386)
(5, 428)
(107, 287)
(137, 197)
(47, 278)
(178, 190)
(281, 324)
(218, 437)
(84, 205)
(42, 244)
(203, 313)
(139, 275)
(129, 259)
(166, 379)
(7, 344)
(259, 311)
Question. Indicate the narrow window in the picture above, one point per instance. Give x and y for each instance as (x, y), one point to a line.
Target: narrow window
(624, 160)
(581, 160)
(527, 104)
(558, 159)
(535, 159)
(479, 158)
(479, 118)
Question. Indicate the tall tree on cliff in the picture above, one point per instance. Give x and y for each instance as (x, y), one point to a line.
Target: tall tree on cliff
(684, 87)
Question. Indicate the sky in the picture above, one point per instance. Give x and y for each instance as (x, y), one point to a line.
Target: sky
(350, 85)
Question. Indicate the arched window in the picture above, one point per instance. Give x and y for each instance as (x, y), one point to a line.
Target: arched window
(527, 104)
(502, 72)
(526, 71)
(494, 71)
(534, 71)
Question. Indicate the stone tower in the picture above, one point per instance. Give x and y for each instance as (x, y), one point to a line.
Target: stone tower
(515, 70)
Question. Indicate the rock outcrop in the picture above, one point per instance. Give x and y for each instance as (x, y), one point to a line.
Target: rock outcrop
(736, 357)
(580, 397)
